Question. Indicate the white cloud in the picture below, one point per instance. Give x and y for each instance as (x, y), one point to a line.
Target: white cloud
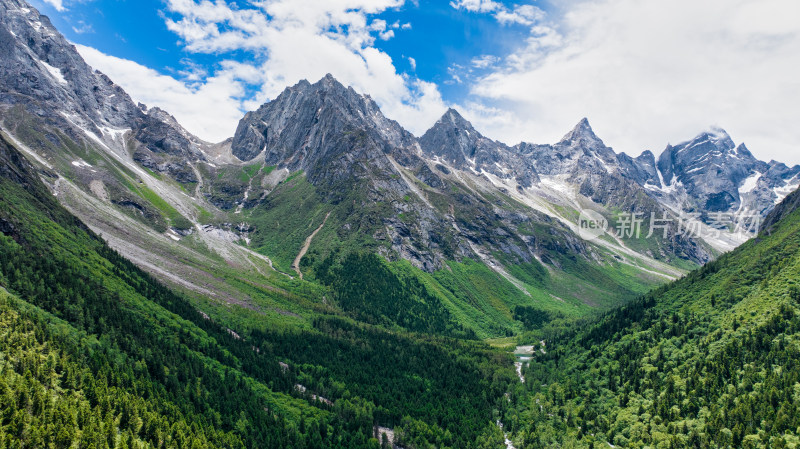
(484, 61)
(519, 14)
(211, 111)
(305, 39)
(523, 15)
(83, 28)
(455, 71)
(648, 72)
(412, 62)
(57, 4)
(477, 5)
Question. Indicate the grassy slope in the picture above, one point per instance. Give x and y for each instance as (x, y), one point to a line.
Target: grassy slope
(709, 361)
(121, 183)
(476, 297)
(116, 335)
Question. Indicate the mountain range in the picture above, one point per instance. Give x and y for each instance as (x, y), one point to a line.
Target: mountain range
(325, 278)
(319, 173)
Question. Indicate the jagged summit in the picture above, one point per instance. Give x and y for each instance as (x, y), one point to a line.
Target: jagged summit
(708, 148)
(49, 83)
(579, 152)
(329, 83)
(581, 133)
(715, 138)
(307, 119)
(454, 140)
(713, 174)
(453, 117)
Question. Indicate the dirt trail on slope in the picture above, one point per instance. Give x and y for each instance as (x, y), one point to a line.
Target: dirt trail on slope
(304, 249)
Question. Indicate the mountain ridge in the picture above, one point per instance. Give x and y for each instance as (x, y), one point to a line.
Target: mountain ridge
(487, 226)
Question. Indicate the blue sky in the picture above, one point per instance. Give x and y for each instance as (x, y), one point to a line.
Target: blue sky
(645, 72)
(439, 37)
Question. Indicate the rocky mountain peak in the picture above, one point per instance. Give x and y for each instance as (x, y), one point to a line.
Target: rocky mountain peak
(713, 139)
(309, 121)
(581, 134)
(452, 117)
(454, 140)
(330, 85)
(743, 151)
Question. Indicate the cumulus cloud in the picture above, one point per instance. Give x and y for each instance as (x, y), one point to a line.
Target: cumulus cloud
(287, 40)
(484, 61)
(57, 4)
(290, 40)
(523, 15)
(648, 72)
(519, 14)
(477, 5)
(211, 110)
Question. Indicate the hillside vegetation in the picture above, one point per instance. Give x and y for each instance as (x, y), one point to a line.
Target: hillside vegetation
(95, 353)
(712, 360)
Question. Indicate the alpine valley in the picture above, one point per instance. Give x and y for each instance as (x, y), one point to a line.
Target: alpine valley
(324, 278)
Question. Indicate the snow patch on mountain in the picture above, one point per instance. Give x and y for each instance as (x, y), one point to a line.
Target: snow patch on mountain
(54, 72)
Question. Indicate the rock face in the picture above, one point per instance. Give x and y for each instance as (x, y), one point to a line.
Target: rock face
(789, 205)
(310, 122)
(581, 158)
(455, 141)
(43, 74)
(710, 167)
(641, 169)
(580, 152)
(352, 154)
(14, 167)
(711, 175)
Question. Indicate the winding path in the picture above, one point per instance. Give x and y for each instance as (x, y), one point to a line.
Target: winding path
(304, 249)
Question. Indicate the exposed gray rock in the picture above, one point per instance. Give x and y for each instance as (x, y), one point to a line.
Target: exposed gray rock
(380, 181)
(711, 174)
(641, 169)
(455, 141)
(309, 122)
(580, 152)
(43, 73)
(710, 167)
(789, 205)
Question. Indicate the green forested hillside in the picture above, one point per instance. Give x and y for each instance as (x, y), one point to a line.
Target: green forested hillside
(712, 360)
(94, 353)
(463, 298)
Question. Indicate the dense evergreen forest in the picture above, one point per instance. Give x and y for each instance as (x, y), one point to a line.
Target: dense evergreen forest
(711, 361)
(95, 353)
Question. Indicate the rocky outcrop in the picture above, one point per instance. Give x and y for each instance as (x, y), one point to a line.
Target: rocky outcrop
(788, 206)
(580, 152)
(710, 175)
(455, 141)
(43, 73)
(309, 122)
(641, 169)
